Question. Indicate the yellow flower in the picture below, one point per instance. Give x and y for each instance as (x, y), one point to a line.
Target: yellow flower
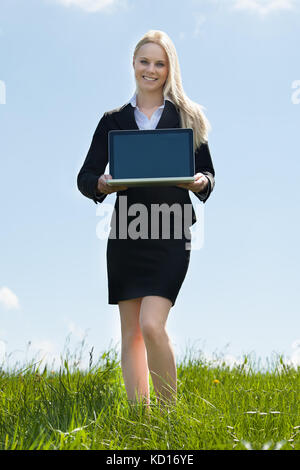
(216, 381)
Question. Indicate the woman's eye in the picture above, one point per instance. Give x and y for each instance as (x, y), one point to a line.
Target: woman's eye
(145, 62)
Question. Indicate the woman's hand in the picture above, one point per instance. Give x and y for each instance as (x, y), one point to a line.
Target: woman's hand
(104, 188)
(199, 185)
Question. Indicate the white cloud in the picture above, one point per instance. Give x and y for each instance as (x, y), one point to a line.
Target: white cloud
(228, 360)
(78, 332)
(43, 346)
(263, 7)
(200, 19)
(296, 344)
(224, 360)
(2, 351)
(45, 351)
(8, 298)
(94, 5)
(294, 360)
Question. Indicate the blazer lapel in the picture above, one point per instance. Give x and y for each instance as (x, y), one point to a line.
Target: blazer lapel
(170, 117)
(125, 117)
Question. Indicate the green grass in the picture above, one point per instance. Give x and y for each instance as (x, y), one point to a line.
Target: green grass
(217, 408)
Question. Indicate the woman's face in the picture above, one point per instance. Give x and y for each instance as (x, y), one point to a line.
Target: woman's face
(151, 61)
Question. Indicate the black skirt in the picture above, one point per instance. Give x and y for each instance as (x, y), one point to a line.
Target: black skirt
(141, 267)
(148, 266)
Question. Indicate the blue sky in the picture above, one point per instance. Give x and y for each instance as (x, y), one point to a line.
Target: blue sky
(63, 63)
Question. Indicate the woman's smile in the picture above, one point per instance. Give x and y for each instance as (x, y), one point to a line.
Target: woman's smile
(148, 79)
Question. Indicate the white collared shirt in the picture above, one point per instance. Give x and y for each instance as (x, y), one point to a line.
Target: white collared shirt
(142, 121)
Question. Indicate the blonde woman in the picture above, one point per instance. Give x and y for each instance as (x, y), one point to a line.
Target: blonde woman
(146, 274)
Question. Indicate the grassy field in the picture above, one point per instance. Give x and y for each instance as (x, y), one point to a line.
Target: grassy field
(218, 408)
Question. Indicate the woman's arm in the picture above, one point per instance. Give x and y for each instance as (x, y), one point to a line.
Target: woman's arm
(94, 164)
(203, 168)
(204, 165)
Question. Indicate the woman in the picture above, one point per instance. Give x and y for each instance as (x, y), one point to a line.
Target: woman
(144, 274)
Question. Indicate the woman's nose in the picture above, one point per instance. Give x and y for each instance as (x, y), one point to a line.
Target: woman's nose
(151, 68)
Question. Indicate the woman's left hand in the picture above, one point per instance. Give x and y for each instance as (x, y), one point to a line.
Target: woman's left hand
(199, 185)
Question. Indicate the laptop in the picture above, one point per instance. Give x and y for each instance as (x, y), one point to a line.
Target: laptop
(151, 157)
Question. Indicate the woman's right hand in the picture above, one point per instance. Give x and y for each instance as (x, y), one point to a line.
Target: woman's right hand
(104, 188)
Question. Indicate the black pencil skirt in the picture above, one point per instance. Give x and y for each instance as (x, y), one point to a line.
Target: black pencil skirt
(141, 267)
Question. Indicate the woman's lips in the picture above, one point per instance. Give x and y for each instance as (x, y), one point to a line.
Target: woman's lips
(153, 80)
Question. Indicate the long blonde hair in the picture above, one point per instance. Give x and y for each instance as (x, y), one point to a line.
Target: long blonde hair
(191, 113)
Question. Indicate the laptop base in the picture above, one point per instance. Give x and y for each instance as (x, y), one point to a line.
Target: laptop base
(150, 181)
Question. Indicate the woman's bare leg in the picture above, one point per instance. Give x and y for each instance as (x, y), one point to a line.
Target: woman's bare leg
(133, 352)
(161, 359)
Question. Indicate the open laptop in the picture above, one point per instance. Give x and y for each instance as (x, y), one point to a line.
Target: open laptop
(151, 157)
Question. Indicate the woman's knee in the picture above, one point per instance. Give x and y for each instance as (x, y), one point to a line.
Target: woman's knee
(153, 317)
(129, 315)
(132, 338)
(152, 331)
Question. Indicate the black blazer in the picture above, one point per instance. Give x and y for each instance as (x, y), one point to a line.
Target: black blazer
(123, 118)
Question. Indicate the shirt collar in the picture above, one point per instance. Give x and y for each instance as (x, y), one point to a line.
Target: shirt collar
(133, 102)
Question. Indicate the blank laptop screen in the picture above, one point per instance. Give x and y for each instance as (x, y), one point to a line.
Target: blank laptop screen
(151, 153)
